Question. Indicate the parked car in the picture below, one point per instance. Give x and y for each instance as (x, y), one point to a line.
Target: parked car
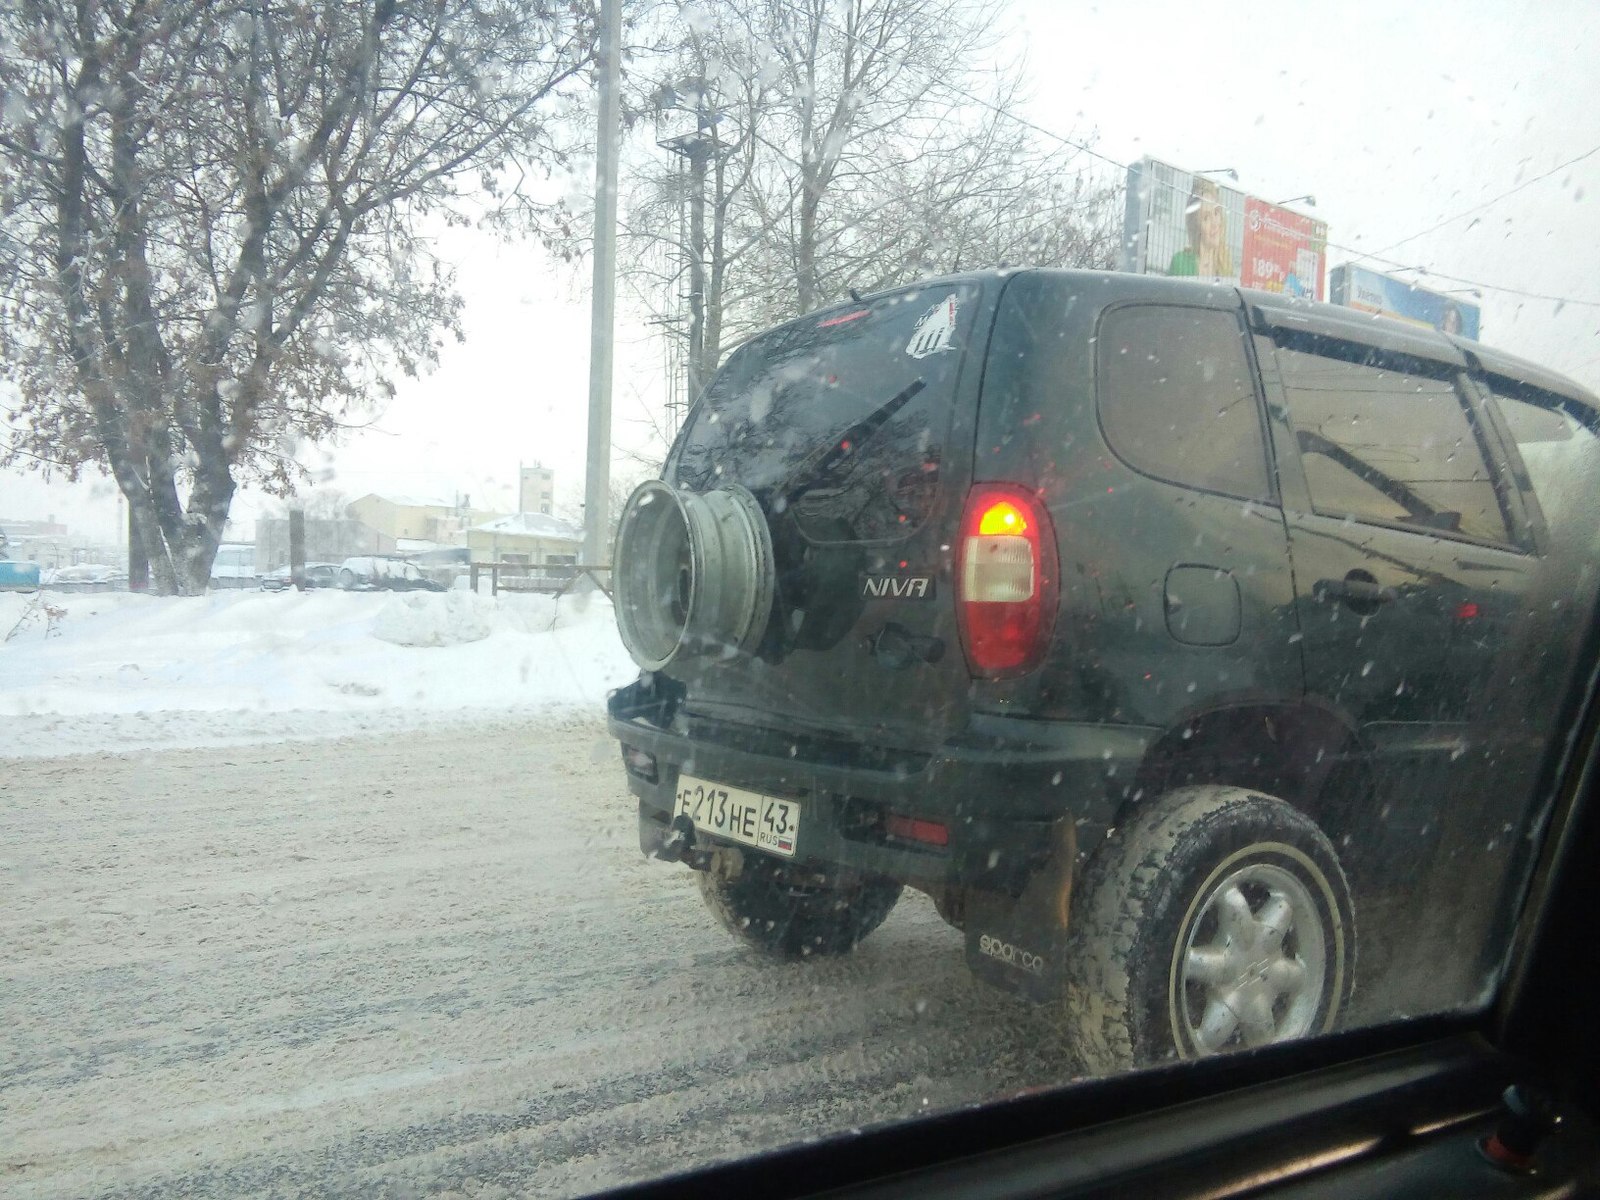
(317, 575)
(1156, 629)
(372, 572)
(234, 567)
(85, 577)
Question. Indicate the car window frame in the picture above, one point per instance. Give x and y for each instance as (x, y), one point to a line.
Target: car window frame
(1488, 398)
(1273, 497)
(1296, 490)
(1055, 1139)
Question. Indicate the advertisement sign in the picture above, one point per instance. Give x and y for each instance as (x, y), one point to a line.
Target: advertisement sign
(1373, 292)
(1179, 223)
(1283, 251)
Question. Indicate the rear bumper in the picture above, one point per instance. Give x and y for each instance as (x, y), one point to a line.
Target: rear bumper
(999, 788)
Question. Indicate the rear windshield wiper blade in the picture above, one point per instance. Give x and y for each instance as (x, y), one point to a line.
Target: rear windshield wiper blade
(826, 458)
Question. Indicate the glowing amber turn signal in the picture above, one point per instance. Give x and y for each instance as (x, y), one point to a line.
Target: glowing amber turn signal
(1002, 517)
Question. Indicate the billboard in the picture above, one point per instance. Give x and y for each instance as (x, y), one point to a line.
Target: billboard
(1180, 223)
(1374, 292)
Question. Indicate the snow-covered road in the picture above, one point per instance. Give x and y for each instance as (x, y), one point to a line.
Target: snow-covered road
(427, 962)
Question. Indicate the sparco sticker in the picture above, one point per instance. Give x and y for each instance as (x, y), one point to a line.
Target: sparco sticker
(934, 331)
(1012, 956)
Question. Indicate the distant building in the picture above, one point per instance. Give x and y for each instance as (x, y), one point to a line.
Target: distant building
(49, 527)
(528, 539)
(48, 550)
(421, 518)
(50, 544)
(536, 490)
(328, 539)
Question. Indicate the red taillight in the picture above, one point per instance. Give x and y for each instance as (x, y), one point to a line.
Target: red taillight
(915, 829)
(1005, 580)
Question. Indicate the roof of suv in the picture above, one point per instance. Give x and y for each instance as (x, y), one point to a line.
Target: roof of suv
(1335, 320)
(1277, 310)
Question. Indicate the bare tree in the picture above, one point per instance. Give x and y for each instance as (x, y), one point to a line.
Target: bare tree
(212, 214)
(842, 145)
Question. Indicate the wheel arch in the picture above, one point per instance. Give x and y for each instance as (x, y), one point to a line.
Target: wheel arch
(1305, 754)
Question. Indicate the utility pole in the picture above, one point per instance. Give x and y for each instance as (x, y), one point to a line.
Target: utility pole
(297, 547)
(699, 154)
(597, 479)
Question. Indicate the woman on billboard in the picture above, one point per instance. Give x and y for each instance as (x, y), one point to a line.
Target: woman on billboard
(1206, 255)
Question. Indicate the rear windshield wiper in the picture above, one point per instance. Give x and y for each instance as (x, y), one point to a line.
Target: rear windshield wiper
(822, 462)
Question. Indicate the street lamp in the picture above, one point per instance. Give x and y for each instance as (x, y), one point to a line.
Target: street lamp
(1309, 200)
(1228, 171)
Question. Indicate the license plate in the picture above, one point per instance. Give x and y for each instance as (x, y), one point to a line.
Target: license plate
(765, 822)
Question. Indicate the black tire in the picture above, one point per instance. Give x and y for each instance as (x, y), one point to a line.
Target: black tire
(347, 580)
(789, 914)
(1163, 956)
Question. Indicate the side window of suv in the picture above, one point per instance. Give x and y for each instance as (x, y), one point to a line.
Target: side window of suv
(1389, 443)
(1177, 398)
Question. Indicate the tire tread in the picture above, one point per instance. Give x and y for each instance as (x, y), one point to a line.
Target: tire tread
(826, 922)
(1099, 1004)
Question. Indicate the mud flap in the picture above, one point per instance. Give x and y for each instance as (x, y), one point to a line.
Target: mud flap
(1019, 942)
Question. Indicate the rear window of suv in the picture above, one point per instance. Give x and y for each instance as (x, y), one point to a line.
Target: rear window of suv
(840, 418)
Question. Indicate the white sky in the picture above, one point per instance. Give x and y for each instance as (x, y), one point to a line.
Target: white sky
(1393, 116)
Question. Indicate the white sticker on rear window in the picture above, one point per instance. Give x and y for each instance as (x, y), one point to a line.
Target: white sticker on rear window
(933, 333)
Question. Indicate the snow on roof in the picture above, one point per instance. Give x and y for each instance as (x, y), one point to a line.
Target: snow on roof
(412, 501)
(540, 525)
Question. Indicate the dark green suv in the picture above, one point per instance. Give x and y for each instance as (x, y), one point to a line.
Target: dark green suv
(1177, 640)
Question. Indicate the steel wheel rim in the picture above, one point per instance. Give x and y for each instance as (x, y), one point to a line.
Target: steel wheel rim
(653, 573)
(693, 573)
(1254, 965)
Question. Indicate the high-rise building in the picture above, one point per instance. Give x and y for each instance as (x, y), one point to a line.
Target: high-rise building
(536, 491)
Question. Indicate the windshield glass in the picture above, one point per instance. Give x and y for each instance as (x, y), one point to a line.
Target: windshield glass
(593, 589)
(843, 415)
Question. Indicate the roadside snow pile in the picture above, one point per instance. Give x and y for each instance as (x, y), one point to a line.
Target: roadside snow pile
(435, 619)
(114, 670)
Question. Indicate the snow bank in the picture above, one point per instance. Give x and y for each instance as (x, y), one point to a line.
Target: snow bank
(113, 670)
(434, 619)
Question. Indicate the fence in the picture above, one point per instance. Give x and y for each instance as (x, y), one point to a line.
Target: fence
(549, 579)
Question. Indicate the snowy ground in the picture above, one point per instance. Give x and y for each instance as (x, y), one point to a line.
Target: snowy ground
(336, 894)
(128, 672)
(341, 894)
(425, 964)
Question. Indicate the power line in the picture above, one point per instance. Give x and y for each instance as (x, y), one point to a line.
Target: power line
(1375, 256)
(1590, 153)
